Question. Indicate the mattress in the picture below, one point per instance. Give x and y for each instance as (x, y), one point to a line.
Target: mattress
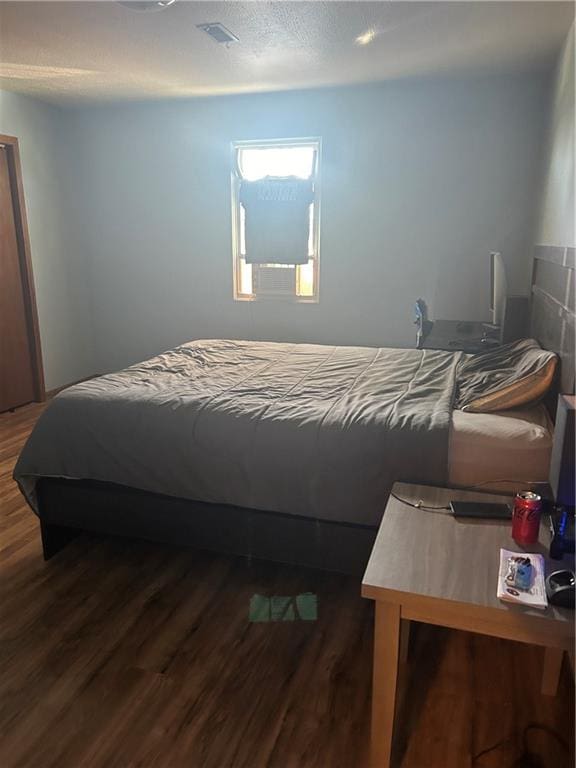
(510, 445)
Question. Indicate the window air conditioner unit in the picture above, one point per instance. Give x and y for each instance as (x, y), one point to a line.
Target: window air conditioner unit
(273, 280)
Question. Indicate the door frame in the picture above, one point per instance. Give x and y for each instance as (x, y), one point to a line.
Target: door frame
(25, 261)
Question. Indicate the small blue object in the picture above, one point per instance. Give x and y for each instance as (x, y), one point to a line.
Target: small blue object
(523, 575)
(519, 573)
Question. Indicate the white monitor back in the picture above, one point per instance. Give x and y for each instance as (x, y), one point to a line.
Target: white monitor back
(499, 287)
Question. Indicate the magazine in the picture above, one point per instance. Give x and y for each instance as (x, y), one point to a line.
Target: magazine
(535, 595)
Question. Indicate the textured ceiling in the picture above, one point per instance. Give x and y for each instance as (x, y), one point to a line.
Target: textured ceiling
(71, 51)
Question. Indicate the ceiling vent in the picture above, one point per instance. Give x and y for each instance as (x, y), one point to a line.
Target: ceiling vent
(146, 5)
(218, 32)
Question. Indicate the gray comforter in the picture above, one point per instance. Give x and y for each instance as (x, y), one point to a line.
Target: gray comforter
(297, 428)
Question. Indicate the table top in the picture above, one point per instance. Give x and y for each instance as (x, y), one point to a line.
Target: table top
(454, 335)
(434, 556)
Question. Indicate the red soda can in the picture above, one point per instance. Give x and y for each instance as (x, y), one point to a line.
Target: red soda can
(526, 517)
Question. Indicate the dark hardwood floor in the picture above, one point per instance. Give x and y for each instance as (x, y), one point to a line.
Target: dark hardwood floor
(124, 653)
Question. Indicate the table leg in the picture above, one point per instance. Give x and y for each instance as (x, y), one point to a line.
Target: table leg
(384, 681)
(551, 673)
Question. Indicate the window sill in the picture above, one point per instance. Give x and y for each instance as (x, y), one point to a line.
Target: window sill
(278, 299)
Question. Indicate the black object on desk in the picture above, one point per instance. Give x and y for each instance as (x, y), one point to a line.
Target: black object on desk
(481, 510)
(561, 532)
(560, 588)
(456, 335)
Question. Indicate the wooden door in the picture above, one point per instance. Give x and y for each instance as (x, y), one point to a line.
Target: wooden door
(20, 366)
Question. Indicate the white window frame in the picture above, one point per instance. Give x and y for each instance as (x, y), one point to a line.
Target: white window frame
(236, 238)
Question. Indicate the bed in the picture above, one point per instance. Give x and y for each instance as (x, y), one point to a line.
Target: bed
(286, 451)
(307, 433)
(280, 451)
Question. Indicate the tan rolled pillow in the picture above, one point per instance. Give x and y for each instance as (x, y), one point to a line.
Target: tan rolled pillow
(506, 377)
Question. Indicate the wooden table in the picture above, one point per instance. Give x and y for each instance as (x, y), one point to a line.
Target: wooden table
(427, 566)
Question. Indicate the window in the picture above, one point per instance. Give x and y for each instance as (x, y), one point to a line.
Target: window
(282, 170)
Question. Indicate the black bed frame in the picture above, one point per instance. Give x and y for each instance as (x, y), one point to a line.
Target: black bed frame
(67, 507)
